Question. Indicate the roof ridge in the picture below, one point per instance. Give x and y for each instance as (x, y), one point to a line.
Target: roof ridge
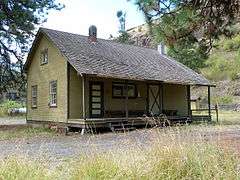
(112, 41)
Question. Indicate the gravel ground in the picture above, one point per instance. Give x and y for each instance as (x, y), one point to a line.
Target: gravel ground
(12, 120)
(59, 147)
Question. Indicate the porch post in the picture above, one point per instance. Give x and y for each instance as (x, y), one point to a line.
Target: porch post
(147, 101)
(83, 96)
(209, 102)
(188, 100)
(162, 94)
(126, 99)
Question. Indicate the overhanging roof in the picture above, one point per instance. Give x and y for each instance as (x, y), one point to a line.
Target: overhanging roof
(110, 59)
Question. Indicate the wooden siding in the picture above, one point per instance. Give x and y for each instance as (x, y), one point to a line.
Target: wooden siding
(75, 94)
(175, 98)
(41, 75)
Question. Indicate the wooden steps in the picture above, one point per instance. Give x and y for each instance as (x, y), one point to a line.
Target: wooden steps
(121, 126)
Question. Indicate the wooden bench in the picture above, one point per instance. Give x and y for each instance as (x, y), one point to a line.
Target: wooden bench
(131, 113)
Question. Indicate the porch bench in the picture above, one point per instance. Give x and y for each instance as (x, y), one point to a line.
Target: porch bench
(170, 112)
(135, 113)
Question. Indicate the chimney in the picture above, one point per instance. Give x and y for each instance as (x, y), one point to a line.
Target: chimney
(92, 36)
(161, 48)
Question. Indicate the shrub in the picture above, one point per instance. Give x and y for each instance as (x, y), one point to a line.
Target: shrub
(232, 44)
(5, 106)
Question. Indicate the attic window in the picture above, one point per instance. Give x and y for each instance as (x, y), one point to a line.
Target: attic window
(44, 56)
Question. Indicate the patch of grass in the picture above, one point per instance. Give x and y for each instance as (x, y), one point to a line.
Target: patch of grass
(228, 118)
(25, 133)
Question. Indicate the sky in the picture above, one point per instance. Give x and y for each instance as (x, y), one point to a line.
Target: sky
(78, 15)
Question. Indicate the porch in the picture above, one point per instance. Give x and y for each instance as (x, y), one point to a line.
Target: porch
(102, 101)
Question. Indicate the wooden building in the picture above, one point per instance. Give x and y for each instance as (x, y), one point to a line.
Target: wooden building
(80, 81)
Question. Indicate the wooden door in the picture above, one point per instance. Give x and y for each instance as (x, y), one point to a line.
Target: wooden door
(96, 98)
(154, 99)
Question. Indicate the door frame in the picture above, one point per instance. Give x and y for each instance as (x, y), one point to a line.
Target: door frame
(159, 96)
(102, 98)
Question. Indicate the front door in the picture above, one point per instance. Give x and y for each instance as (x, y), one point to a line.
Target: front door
(96, 105)
(154, 99)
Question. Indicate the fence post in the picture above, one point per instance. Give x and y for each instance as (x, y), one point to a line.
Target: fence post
(216, 108)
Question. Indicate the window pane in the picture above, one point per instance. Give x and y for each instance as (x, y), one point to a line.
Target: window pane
(34, 96)
(96, 99)
(96, 87)
(44, 56)
(96, 112)
(131, 91)
(117, 91)
(53, 93)
(96, 93)
(96, 105)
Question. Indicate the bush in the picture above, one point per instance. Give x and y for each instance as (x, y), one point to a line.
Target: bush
(222, 66)
(224, 61)
(222, 99)
(232, 44)
(5, 106)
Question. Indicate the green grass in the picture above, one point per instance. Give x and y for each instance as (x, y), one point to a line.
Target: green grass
(25, 133)
(228, 118)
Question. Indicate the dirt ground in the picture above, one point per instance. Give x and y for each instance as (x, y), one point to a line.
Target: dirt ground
(60, 147)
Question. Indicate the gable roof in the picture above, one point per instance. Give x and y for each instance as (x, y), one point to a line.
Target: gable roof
(110, 59)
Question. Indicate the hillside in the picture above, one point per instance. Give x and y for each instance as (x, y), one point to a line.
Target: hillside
(223, 69)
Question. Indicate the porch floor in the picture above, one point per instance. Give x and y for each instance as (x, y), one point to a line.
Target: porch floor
(134, 121)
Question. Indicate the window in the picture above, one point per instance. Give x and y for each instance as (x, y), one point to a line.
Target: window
(119, 90)
(44, 56)
(34, 96)
(53, 94)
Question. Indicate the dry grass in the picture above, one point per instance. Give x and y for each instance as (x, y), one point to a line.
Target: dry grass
(25, 132)
(167, 162)
(229, 118)
(185, 152)
(173, 153)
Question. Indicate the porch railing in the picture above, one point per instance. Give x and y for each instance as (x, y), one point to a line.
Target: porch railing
(204, 113)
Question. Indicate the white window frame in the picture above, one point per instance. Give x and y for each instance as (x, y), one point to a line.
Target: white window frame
(53, 94)
(34, 96)
(44, 56)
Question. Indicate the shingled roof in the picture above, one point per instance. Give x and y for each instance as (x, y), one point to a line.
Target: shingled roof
(106, 58)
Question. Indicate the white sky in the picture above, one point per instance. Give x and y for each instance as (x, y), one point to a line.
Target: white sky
(78, 15)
